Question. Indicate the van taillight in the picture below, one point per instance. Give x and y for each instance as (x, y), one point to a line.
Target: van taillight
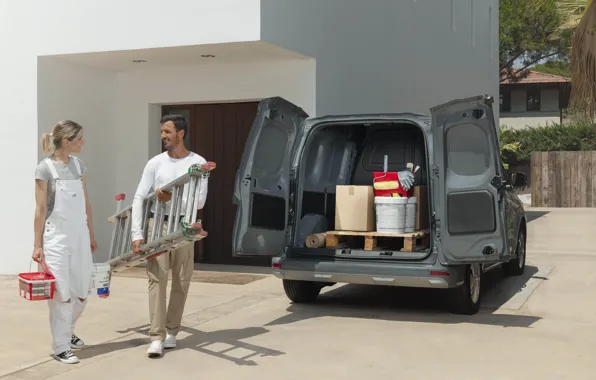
(438, 273)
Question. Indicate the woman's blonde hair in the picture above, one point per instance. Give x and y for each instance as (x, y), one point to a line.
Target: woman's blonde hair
(66, 129)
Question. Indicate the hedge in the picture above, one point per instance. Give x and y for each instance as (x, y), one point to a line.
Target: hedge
(518, 144)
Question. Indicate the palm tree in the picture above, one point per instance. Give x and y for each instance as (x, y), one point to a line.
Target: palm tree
(579, 20)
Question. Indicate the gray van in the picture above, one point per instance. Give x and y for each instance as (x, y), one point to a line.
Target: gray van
(285, 190)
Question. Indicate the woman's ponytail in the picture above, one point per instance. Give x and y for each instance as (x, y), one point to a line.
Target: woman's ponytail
(46, 143)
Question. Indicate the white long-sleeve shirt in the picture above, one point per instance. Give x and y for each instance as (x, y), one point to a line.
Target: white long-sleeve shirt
(159, 171)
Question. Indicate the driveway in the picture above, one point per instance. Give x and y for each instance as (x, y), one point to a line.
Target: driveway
(538, 326)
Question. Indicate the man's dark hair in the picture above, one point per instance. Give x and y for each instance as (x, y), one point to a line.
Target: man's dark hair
(178, 120)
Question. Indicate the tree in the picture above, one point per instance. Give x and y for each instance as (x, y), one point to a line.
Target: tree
(557, 67)
(579, 21)
(526, 36)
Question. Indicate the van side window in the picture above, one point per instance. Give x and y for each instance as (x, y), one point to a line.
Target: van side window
(468, 152)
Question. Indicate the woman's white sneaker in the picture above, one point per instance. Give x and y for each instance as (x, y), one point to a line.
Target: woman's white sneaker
(67, 357)
(76, 342)
(155, 349)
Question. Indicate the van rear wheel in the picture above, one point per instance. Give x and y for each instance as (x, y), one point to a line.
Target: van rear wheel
(301, 291)
(465, 299)
(517, 266)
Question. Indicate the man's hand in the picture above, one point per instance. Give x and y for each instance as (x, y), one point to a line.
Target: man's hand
(136, 246)
(163, 196)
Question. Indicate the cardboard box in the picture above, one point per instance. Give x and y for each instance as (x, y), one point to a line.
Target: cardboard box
(421, 195)
(355, 208)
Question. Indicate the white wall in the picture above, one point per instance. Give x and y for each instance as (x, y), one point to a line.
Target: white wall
(140, 92)
(18, 99)
(388, 55)
(85, 95)
(75, 26)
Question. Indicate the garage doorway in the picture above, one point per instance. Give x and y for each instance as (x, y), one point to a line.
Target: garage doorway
(218, 132)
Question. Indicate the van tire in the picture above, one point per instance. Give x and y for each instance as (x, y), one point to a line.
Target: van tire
(301, 291)
(461, 299)
(516, 267)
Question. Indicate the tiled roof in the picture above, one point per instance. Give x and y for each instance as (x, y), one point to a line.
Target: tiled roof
(536, 77)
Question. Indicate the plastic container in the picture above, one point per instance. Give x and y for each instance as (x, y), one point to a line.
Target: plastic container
(411, 215)
(100, 279)
(391, 214)
(36, 286)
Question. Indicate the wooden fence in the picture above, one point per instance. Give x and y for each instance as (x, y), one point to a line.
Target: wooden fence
(563, 179)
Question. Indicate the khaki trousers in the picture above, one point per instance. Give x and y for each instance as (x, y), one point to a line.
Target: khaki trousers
(181, 262)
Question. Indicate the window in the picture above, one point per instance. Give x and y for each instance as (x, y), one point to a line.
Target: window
(533, 100)
(505, 102)
(468, 152)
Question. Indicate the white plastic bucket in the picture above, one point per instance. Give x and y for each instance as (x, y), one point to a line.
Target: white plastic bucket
(100, 279)
(391, 214)
(411, 214)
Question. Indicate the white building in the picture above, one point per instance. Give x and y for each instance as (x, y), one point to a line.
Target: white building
(113, 65)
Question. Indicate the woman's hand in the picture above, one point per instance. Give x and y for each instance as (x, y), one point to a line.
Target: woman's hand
(93, 245)
(37, 255)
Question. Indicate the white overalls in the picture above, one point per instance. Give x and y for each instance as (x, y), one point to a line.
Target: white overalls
(67, 252)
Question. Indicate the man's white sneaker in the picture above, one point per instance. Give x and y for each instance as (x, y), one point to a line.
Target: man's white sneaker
(67, 357)
(155, 349)
(170, 341)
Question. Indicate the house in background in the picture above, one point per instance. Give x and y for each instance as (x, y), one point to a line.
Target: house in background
(537, 99)
(117, 66)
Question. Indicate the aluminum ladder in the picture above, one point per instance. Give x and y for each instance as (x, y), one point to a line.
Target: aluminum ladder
(181, 230)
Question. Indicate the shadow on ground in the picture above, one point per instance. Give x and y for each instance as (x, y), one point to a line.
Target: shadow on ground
(223, 344)
(415, 304)
(351, 301)
(533, 215)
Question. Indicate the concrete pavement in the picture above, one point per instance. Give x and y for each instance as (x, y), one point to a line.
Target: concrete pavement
(539, 326)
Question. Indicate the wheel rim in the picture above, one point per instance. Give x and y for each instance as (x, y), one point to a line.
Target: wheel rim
(475, 283)
(521, 249)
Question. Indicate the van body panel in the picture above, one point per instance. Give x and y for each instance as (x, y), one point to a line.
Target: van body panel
(468, 183)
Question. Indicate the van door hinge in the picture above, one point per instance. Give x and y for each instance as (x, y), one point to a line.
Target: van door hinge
(292, 198)
(435, 171)
(437, 224)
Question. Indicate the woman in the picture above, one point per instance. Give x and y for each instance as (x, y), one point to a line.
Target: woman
(64, 239)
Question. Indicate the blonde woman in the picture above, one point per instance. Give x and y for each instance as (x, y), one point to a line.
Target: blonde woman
(64, 239)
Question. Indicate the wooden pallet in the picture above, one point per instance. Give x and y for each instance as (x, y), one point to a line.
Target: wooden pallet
(412, 241)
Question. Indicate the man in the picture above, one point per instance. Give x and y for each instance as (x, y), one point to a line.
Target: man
(159, 171)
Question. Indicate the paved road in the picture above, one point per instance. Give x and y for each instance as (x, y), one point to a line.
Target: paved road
(540, 326)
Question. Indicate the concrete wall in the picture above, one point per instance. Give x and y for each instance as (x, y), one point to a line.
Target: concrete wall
(387, 55)
(140, 94)
(87, 96)
(73, 26)
(18, 105)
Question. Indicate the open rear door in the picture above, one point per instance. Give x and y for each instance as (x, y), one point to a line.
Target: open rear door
(468, 191)
(262, 188)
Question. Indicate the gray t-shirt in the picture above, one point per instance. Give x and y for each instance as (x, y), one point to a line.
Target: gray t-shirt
(65, 172)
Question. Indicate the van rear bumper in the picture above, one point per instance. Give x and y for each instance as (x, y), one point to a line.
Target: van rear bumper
(367, 273)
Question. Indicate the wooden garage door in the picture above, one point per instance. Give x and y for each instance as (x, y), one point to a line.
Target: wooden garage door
(218, 132)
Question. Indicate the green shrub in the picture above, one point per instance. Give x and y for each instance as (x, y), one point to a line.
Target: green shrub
(518, 145)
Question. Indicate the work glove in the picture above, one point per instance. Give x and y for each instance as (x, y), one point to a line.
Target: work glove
(406, 179)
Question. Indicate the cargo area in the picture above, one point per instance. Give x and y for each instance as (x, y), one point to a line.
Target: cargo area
(336, 196)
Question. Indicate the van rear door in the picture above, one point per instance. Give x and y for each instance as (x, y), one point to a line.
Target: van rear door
(262, 187)
(468, 191)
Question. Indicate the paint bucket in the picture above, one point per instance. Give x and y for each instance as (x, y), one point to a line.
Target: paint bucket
(100, 279)
(411, 215)
(391, 214)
